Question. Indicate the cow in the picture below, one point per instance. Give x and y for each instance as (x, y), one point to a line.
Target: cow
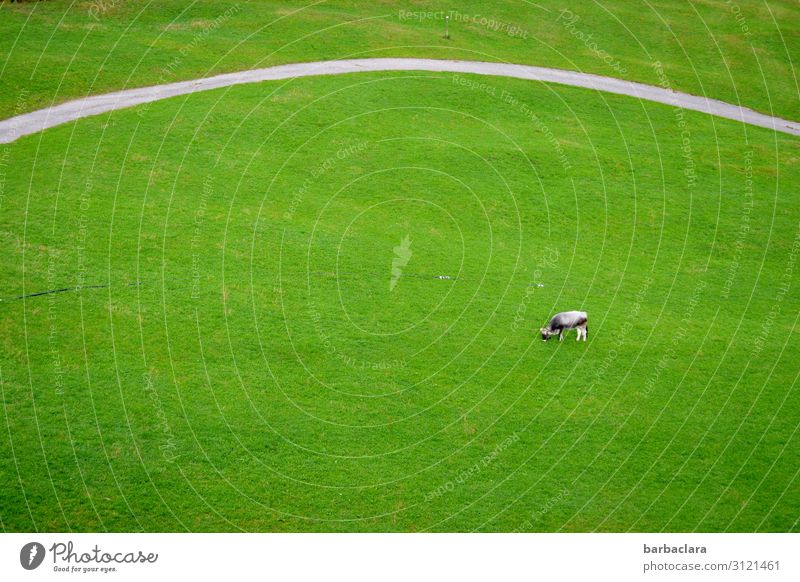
(566, 320)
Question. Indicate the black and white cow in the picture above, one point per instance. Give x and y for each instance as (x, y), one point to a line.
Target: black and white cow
(567, 320)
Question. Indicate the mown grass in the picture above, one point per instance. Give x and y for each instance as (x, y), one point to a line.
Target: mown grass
(249, 368)
(741, 52)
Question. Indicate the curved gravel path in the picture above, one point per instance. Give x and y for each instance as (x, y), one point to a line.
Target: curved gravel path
(28, 123)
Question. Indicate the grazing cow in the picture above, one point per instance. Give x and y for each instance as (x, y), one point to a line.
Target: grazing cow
(567, 320)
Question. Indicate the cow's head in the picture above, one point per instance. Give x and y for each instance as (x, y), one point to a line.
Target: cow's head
(545, 333)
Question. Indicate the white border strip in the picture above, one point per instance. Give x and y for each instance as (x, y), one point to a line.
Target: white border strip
(403, 557)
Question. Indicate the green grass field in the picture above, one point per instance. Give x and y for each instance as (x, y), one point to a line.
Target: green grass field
(740, 52)
(242, 356)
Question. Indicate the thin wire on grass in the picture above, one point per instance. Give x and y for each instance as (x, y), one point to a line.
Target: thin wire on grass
(342, 275)
(61, 290)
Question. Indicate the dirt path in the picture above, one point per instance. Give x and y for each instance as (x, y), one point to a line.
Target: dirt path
(29, 123)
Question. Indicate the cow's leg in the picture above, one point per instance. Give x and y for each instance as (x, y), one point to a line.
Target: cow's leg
(577, 339)
(561, 335)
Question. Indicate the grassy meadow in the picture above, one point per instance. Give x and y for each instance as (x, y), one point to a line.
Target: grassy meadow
(245, 363)
(313, 305)
(740, 52)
